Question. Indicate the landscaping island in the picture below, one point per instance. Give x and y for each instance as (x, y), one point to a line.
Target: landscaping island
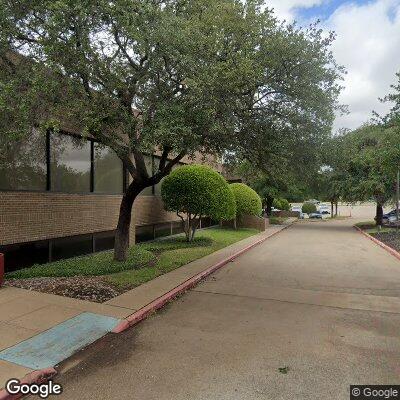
(97, 277)
(387, 235)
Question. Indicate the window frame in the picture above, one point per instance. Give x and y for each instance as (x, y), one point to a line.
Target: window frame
(92, 141)
(48, 184)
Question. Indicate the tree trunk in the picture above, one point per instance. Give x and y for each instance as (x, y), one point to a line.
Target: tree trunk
(270, 201)
(187, 227)
(379, 214)
(336, 205)
(141, 180)
(122, 234)
(332, 209)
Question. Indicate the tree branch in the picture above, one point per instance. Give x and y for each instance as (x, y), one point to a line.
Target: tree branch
(123, 49)
(164, 157)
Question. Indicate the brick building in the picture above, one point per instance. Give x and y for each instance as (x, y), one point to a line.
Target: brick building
(60, 196)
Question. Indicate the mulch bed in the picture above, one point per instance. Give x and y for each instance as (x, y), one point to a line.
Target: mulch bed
(94, 288)
(391, 239)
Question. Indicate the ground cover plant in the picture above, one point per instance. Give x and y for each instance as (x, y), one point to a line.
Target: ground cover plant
(97, 277)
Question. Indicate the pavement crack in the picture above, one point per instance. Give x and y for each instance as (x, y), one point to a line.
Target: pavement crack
(296, 302)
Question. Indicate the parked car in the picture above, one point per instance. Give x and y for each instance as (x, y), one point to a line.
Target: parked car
(298, 209)
(315, 215)
(392, 220)
(386, 217)
(324, 210)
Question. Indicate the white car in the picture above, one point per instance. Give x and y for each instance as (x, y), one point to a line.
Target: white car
(298, 209)
(324, 210)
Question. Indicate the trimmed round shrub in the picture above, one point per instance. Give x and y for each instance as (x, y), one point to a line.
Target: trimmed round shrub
(248, 202)
(281, 204)
(197, 191)
(308, 208)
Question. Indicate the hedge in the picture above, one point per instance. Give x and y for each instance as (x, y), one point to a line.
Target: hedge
(248, 202)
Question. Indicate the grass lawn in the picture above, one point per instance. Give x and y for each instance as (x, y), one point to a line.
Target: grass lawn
(145, 262)
(172, 253)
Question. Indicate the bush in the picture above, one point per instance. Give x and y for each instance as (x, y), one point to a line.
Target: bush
(281, 204)
(248, 202)
(195, 191)
(308, 208)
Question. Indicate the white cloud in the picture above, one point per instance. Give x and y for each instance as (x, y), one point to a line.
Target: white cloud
(368, 45)
(285, 9)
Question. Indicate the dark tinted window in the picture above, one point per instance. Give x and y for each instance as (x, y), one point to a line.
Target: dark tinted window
(104, 241)
(25, 255)
(177, 228)
(108, 176)
(70, 164)
(163, 230)
(71, 247)
(144, 233)
(23, 162)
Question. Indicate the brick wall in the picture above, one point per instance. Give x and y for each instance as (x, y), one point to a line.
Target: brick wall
(28, 216)
(286, 214)
(150, 210)
(248, 221)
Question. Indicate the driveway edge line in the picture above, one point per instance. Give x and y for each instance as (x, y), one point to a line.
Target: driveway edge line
(158, 303)
(393, 252)
(35, 377)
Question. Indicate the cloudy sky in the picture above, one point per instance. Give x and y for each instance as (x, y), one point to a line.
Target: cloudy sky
(367, 44)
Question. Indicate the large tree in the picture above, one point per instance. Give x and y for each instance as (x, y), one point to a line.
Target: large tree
(174, 76)
(370, 158)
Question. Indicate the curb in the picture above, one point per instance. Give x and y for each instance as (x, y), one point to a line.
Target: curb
(158, 303)
(393, 252)
(35, 377)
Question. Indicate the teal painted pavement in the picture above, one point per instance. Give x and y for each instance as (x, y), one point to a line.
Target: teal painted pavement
(58, 343)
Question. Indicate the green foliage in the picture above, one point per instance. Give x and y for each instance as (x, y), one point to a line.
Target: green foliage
(281, 204)
(166, 255)
(87, 64)
(248, 202)
(277, 220)
(196, 191)
(177, 252)
(93, 264)
(370, 153)
(308, 208)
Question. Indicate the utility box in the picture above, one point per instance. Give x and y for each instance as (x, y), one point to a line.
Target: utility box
(1, 268)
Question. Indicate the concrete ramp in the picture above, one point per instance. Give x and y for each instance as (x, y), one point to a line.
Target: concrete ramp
(58, 343)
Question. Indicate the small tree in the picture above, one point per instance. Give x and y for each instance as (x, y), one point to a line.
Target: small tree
(281, 204)
(248, 202)
(309, 208)
(195, 191)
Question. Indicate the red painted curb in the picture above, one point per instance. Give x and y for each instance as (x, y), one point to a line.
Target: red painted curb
(156, 304)
(38, 377)
(393, 252)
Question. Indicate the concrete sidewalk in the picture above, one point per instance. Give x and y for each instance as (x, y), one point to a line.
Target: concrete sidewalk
(27, 314)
